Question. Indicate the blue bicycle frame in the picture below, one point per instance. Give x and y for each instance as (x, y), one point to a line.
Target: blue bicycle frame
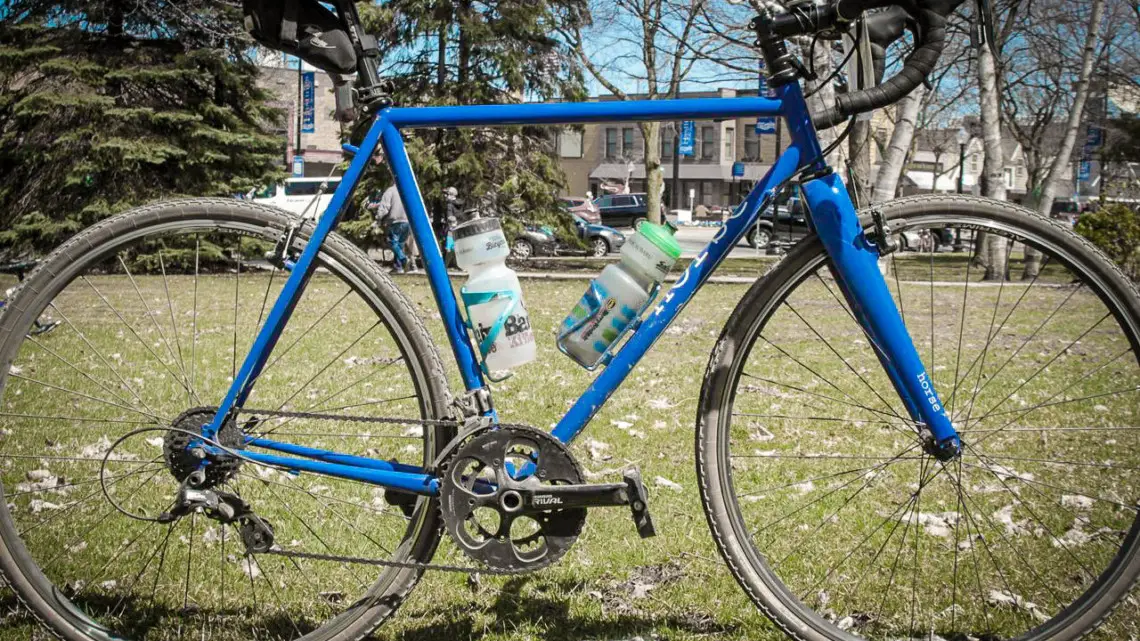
(854, 261)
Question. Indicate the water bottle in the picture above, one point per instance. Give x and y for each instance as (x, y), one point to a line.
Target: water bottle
(493, 297)
(619, 295)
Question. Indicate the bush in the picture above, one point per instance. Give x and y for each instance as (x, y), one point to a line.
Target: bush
(1115, 229)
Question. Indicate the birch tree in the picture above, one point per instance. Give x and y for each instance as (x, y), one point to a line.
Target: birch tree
(649, 44)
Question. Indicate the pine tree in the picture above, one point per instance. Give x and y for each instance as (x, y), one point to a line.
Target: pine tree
(144, 105)
(480, 52)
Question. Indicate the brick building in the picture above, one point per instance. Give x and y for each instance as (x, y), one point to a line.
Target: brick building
(320, 149)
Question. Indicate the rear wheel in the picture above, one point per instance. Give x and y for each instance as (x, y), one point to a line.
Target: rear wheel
(599, 247)
(157, 307)
(820, 496)
(522, 248)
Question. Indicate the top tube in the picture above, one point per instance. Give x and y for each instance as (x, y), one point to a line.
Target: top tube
(546, 113)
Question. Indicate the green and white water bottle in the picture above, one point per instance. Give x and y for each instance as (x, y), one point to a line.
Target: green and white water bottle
(619, 295)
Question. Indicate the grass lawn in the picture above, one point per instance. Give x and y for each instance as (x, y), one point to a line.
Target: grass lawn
(611, 585)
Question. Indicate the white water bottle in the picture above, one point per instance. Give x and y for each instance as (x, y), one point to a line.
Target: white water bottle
(617, 297)
(493, 297)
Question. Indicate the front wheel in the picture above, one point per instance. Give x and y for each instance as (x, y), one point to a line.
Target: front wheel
(818, 491)
(522, 249)
(157, 308)
(599, 247)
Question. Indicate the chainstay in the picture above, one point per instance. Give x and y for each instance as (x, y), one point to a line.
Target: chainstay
(317, 416)
(410, 565)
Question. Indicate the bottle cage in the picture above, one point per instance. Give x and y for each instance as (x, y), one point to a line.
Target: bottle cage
(485, 344)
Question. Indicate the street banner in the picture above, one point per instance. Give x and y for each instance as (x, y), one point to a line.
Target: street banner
(309, 102)
(688, 138)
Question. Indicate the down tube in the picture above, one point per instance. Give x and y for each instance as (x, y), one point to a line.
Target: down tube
(675, 300)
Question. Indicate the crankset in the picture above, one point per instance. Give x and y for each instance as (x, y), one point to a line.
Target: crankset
(513, 498)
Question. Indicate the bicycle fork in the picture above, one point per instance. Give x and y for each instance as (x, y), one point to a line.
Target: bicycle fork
(855, 265)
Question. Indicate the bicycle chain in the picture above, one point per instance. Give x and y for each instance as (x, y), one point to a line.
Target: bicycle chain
(408, 565)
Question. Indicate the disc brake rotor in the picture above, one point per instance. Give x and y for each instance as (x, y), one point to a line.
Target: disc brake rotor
(480, 504)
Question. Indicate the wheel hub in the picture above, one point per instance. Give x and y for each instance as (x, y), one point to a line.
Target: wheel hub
(182, 459)
(481, 498)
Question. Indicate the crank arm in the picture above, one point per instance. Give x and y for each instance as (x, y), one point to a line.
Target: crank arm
(572, 496)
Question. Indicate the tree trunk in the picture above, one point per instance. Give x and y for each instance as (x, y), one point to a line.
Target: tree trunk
(1048, 190)
(991, 252)
(654, 180)
(894, 161)
(823, 95)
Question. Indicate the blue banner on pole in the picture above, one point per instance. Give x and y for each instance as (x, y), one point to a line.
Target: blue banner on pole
(298, 166)
(766, 125)
(688, 137)
(309, 100)
(738, 169)
(1085, 170)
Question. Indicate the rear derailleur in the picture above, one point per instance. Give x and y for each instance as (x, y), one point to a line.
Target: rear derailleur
(227, 509)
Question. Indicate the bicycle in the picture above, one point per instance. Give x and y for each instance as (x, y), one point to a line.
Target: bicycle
(992, 494)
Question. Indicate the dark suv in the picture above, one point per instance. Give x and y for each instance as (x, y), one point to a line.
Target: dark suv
(621, 210)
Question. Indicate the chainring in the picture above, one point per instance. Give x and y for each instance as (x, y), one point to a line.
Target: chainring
(472, 486)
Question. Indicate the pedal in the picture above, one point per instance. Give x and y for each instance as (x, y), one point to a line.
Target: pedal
(639, 503)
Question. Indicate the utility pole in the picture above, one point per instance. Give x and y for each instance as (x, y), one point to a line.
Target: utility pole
(676, 197)
(300, 106)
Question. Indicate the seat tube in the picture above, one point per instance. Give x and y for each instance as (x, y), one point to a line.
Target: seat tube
(855, 262)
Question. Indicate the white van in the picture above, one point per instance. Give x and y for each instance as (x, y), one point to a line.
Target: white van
(295, 194)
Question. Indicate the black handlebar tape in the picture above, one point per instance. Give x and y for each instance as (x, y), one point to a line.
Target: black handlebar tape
(931, 22)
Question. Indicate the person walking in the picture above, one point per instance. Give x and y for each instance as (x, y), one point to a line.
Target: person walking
(389, 212)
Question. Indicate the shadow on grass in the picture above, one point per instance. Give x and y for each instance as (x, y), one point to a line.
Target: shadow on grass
(547, 608)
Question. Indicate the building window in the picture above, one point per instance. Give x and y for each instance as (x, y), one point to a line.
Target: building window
(707, 189)
(1008, 175)
(974, 161)
(708, 144)
(627, 142)
(570, 143)
(751, 144)
(667, 144)
(730, 143)
(611, 143)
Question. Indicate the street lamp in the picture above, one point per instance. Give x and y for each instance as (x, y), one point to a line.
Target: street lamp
(963, 140)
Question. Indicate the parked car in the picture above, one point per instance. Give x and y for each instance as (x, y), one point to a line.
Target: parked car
(534, 241)
(622, 210)
(541, 241)
(581, 207)
(786, 222)
(600, 240)
(295, 194)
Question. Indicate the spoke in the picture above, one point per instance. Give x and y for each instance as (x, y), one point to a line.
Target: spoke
(106, 566)
(154, 321)
(961, 332)
(79, 394)
(819, 376)
(1110, 466)
(316, 406)
(131, 328)
(1026, 410)
(822, 477)
(1057, 540)
(308, 331)
(76, 539)
(276, 595)
(1067, 490)
(848, 365)
(1025, 382)
(87, 376)
(933, 367)
(194, 318)
(340, 517)
(833, 491)
(1016, 304)
(71, 506)
(334, 360)
(986, 347)
(831, 456)
(237, 286)
(73, 458)
(825, 419)
(103, 359)
(917, 527)
(957, 550)
(189, 559)
(374, 510)
(829, 398)
(138, 577)
(1031, 337)
(161, 563)
(191, 393)
(77, 419)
